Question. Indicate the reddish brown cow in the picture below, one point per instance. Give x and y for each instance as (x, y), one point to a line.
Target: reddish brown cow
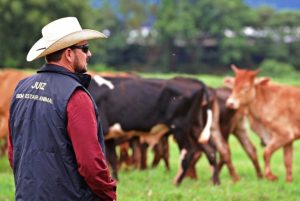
(230, 121)
(138, 156)
(233, 122)
(272, 111)
(156, 139)
(9, 80)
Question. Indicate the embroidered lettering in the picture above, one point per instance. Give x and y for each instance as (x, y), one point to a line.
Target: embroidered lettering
(35, 97)
(20, 96)
(39, 85)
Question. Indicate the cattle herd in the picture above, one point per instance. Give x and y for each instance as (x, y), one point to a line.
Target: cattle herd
(139, 113)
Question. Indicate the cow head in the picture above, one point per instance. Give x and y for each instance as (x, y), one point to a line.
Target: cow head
(243, 87)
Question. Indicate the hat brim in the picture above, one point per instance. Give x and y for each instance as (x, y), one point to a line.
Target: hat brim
(39, 49)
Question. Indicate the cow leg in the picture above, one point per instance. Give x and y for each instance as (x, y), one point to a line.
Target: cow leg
(3, 147)
(166, 151)
(221, 163)
(136, 150)
(241, 134)
(267, 157)
(191, 172)
(185, 161)
(157, 154)
(3, 133)
(111, 157)
(288, 160)
(161, 151)
(144, 148)
(3, 125)
(226, 157)
(274, 145)
(210, 153)
(225, 154)
(221, 145)
(124, 155)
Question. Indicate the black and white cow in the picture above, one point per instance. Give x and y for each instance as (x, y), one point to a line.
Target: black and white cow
(139, 104)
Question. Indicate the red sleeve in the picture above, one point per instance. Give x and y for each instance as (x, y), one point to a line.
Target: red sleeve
(10, 147)
(82, 129)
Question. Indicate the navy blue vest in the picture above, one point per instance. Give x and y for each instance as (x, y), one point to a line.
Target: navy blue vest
(45, 166)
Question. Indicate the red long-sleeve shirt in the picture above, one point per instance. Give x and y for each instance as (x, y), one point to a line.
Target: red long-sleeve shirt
(82, 130)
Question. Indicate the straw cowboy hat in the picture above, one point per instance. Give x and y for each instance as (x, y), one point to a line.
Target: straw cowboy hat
(60, 34)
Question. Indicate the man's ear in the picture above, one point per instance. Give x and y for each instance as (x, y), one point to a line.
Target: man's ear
(68, 55)
(262, 80)
(228, 82)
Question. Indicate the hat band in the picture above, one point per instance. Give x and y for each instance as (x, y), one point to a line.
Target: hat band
(43, 48)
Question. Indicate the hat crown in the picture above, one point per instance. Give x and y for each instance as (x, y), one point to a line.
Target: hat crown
(60, 28)
(60, 34)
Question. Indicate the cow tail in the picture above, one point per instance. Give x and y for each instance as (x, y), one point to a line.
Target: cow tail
(206, 132)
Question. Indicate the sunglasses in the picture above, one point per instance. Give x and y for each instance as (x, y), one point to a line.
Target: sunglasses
(84, 48)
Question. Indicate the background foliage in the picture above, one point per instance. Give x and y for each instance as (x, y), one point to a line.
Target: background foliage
(160, 35)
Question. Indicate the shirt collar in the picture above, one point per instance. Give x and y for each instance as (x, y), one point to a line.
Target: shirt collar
(83, 79)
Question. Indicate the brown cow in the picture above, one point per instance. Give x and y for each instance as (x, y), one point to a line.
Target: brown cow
(233, 122)
(272, 111)
(138, 156)
(9, 80)
(156, 139)
(230, 122)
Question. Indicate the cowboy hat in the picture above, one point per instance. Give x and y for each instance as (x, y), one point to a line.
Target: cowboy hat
(59, 34)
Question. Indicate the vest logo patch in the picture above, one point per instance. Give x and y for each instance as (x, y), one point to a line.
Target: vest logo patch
(39, 85)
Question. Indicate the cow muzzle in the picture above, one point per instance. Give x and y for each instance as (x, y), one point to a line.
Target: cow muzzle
(232, 103)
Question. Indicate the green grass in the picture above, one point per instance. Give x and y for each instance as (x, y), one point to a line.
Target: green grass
(6, 181)
(211, 80)
(156, 184)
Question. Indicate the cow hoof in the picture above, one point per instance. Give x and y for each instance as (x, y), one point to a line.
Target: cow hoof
(289, 179)
(216, 183)
(260, 176)
(236, 179)
(175, 183)
(271, 177)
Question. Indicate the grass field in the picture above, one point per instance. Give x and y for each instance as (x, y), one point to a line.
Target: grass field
(156, 184)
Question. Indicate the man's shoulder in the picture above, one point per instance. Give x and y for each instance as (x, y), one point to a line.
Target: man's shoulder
(80, 96)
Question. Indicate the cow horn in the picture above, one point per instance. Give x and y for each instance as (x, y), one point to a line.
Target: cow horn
(234, 68)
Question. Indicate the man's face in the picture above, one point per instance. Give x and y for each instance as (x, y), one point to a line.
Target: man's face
(82, 57)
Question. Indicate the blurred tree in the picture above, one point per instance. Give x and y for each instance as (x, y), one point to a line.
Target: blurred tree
(285, 26)
(175, 24)
(294, 52)
(163, 35)
(22, 21)
(274, 68)
(278, 35)
(199, 27)
(223, 22)
(124, 21)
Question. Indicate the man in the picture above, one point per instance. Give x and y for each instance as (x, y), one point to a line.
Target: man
(56, 146)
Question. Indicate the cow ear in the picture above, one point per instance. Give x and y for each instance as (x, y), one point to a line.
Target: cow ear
(262, 80)
(228, 82)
